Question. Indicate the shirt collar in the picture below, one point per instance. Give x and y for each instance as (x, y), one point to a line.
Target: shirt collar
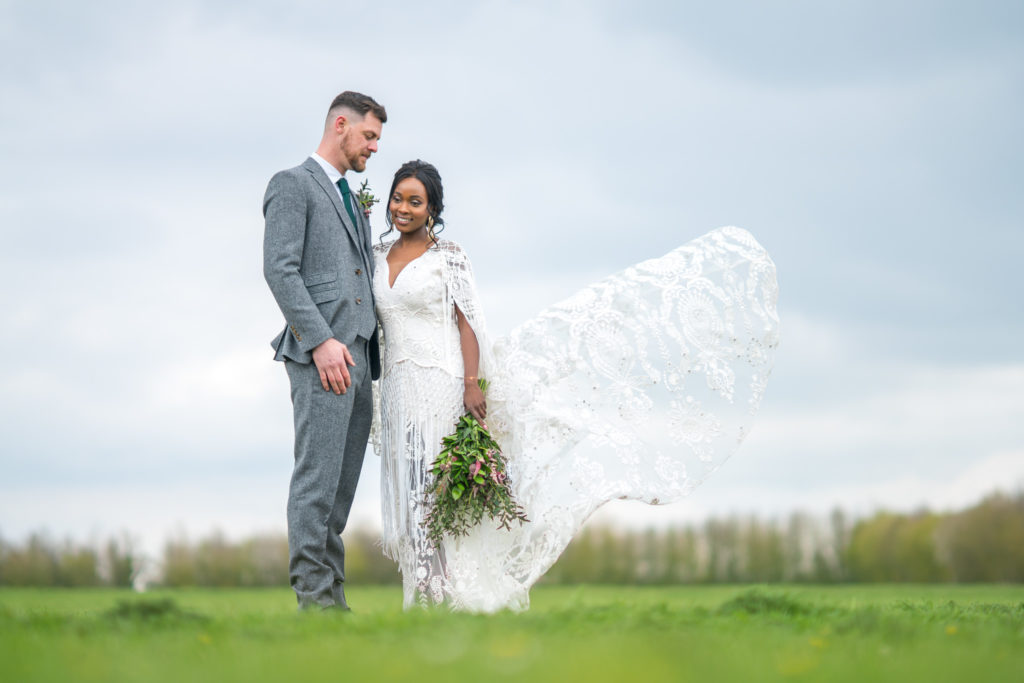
(333, 174)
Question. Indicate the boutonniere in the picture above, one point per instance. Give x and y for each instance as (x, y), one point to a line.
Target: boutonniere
(366, 198)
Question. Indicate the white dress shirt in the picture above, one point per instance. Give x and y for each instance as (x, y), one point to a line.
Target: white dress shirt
(333, 174)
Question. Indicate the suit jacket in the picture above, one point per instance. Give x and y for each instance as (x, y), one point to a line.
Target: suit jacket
(318, 264)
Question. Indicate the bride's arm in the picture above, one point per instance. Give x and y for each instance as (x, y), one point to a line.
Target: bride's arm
(473, 398)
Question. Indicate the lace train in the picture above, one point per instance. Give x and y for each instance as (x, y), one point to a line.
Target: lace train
(637, 387)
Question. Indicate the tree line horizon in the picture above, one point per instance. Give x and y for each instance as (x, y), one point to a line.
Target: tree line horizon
(981, 543)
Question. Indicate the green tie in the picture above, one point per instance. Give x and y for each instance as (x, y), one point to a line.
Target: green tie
(346, 196)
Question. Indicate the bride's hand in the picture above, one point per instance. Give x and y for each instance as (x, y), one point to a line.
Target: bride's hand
(474, 401)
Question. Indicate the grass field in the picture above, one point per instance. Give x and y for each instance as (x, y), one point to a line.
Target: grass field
(586, 633)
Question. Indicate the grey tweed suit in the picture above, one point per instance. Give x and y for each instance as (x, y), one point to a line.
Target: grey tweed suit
(319, 267)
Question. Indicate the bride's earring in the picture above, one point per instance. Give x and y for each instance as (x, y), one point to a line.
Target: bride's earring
(430, 228)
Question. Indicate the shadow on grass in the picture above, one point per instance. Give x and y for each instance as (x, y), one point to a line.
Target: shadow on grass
(759, 601)
(163, 611)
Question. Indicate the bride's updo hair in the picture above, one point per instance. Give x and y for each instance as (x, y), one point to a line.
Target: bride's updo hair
(431, 179)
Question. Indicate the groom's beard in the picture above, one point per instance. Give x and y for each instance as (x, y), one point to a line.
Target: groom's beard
(359, 163)
(357, 157)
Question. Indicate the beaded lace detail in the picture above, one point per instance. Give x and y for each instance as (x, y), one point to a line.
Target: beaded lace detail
(637, 387)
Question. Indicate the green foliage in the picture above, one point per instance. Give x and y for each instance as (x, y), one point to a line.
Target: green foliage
(723, 550)
(120, 558)
(982, 543)
(891, 547)
(986, 542)
(77, 567)
(35, 564)
(470, 482)
(366, 197)
(41, 562)
(217, 562)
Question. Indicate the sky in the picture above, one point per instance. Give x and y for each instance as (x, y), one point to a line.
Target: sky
(874, 148)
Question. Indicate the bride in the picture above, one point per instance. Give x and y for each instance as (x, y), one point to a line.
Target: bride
(637, 387)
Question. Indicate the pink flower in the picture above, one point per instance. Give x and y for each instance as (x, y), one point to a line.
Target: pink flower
(474, 468)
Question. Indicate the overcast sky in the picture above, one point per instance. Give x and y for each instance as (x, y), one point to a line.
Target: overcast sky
(874, 148)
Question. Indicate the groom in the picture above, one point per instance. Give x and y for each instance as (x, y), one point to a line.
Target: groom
(318, 262)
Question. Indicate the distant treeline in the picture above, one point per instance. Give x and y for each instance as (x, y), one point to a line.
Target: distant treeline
(42, 562)
(984, 543)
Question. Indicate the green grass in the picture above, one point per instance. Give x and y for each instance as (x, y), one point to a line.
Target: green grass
(587, 633)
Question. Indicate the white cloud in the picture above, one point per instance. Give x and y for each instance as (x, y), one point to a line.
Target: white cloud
(729, 492)
(910, 403)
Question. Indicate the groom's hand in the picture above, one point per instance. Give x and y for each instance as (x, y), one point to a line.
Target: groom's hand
(332, 360)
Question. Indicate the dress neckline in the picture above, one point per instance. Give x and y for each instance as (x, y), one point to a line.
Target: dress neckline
(392, 283)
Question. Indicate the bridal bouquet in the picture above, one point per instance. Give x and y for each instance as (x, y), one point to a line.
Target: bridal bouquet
(469, 482)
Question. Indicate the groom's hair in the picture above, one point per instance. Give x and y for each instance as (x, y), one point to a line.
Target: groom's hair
(359, 103)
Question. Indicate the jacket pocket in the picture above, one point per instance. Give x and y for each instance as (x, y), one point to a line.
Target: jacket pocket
(321, 296)
(320, 278)
(322, 287)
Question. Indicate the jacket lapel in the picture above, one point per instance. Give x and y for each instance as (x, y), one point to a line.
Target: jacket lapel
(331, 190)
(368, 245)
(371, 261)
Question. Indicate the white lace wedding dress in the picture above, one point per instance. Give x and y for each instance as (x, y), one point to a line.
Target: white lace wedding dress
(637, 387)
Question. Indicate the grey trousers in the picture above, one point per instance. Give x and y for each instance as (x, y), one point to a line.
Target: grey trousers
(331, 432)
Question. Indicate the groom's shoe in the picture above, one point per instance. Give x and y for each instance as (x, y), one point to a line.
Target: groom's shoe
(317, 608)
(337, 608)
(338, 593)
